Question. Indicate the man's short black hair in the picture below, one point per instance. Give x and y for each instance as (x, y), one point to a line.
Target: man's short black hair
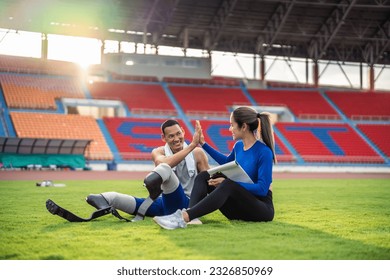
(168, 123)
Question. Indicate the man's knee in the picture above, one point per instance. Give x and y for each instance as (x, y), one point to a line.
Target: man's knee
(152, 183)
(170, 182)
(164, 170)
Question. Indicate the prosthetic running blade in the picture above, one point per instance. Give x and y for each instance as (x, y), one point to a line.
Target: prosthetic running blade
(55, 209)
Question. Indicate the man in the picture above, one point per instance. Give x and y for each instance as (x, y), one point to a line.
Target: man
(176, 166)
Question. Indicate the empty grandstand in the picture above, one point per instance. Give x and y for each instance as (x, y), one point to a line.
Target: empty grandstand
(135, 86)
(327, 127)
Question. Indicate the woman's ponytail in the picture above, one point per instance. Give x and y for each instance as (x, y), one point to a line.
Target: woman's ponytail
(267, 132)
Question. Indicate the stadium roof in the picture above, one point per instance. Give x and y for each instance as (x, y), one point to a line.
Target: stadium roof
(340, 30)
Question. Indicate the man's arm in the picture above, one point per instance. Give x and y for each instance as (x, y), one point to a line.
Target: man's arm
(158, 155)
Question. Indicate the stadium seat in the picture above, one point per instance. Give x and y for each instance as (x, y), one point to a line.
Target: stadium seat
(37, 91)
(319, 142)
(362, 105)
(140, 98)
(56, 126)
(208, 101)
(304, 104)
(217, 134)
(379, 134)
(135, 138)
(211, 101)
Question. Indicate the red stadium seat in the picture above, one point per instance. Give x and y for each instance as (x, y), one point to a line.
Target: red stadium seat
(135, 138)
(379, 134)
(362, 105)
(321, 142)
(305, 104)
(208, 101)
(139, 98)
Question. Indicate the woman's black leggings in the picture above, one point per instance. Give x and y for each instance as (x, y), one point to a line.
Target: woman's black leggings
(234, 201)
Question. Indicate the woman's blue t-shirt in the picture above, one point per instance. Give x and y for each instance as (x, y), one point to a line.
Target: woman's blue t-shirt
(257, 162)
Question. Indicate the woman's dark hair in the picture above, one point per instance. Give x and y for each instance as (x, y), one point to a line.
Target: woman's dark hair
(252, 118)
(168, 123)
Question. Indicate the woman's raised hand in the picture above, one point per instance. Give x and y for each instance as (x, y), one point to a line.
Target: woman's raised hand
(199, 132)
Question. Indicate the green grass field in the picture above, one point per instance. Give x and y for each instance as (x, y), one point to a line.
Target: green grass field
(331, 219)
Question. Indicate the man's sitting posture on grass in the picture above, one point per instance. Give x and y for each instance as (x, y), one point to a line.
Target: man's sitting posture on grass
(169, 184)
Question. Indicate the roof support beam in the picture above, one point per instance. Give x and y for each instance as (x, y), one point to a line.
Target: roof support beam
(273, 27)
(166, 20)
(374, 50)
(150, 13)
(317, 47)
(218, 22)
(155, 12)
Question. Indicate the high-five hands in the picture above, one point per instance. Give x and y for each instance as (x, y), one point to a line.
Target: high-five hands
(198, 137)
(198, 129)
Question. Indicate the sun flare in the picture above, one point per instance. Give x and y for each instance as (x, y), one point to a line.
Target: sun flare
(83, 51)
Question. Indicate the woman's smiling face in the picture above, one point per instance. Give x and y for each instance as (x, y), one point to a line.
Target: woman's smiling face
(234, 129)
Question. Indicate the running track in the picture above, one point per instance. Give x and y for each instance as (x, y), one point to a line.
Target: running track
(132, 175)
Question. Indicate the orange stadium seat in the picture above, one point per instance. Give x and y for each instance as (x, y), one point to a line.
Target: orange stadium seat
(38, 92)
(56, 126)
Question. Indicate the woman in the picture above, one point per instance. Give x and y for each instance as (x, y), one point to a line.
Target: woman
(254, 151)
